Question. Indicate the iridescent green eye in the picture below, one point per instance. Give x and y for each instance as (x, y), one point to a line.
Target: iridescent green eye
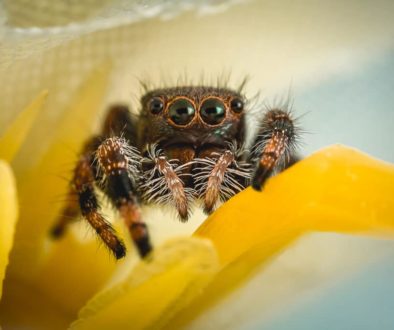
(212, 111)
(181, 112)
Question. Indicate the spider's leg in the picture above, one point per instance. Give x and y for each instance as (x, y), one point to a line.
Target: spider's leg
(274, 146)
(118, 164)
(83, 182)
(71, 210)
(221, 177)
(118, 121)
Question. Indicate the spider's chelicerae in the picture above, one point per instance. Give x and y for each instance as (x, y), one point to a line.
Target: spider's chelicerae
(187, 143)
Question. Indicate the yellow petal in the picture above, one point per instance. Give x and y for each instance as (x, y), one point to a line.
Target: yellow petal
(155, 290)
(8, 216)
(44, 176)
(337, 189)
(16, 133)
(39, 187)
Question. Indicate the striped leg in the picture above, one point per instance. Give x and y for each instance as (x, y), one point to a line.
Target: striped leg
(274, 146)
(83, 183)
(118, 165)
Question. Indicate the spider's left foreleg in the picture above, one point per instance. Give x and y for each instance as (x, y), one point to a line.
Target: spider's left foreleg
(274, 146)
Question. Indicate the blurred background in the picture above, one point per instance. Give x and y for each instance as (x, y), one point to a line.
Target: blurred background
(335, 58)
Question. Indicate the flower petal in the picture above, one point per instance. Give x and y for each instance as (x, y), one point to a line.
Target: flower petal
(336, 189)
(155, 290)
(16, 133)
(8, 216)
(40, 187)
(43, 177)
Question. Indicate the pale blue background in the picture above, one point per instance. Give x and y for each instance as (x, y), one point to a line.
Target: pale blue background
(356, 110)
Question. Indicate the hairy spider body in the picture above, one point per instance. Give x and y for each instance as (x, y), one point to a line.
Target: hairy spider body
(187, 143)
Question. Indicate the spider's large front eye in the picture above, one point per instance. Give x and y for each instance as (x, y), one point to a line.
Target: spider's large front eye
(181, 112)
(212, 111)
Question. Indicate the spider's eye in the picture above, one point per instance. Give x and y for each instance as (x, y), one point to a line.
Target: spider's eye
(237, 105)
(181, 112)
(156, 105)
(212, 111)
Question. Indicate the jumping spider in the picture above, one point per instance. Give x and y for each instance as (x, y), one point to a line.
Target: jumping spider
(187, 143)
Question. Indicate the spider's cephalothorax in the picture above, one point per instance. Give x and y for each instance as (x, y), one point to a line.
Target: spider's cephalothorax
(187, 143)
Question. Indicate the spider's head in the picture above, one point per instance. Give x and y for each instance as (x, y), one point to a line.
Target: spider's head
(194, 116)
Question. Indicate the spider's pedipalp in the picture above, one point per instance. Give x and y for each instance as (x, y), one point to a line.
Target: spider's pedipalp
(222, 177)
(163, 183)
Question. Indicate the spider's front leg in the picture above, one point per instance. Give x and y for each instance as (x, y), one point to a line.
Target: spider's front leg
(83, 186)
(118, 165)
(110, 165)
(274, 146)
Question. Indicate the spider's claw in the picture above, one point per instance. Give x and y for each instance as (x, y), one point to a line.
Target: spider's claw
(260, 178)
(140, 235)
(207, 210)
(183, 215)
(119, 250)
(57, 231)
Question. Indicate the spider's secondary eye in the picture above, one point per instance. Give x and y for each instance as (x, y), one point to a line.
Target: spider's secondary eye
(156, 105)
(237, 105)
(212, 111)
(181, 112)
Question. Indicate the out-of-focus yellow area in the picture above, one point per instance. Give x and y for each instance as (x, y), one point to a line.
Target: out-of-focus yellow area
(155, 291)
(67, 273)
(8, 216)
(16, 133)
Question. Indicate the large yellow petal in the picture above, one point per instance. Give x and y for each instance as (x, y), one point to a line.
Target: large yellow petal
(8, 216)
(16, 133)
(155, 290)
(337, 189)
